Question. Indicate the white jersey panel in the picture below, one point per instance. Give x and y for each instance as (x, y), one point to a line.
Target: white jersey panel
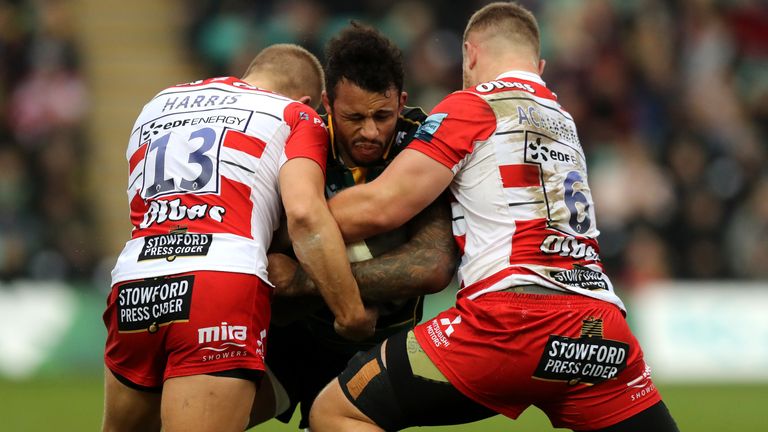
(204, 161)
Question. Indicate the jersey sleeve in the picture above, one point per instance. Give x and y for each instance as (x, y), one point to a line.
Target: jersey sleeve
(308, 137)
(453, 127)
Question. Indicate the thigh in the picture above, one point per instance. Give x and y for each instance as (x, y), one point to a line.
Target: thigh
(204, 403)
(128, 409)
(397, 387)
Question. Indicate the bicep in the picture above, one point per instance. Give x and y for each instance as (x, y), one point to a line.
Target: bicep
(301, 186)
(411, 182)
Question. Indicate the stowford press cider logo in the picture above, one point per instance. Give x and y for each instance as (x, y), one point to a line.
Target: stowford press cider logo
(588, 359)
(175, 244)
(148, 304)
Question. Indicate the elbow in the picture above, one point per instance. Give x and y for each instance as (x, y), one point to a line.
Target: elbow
(441, 273)
(304, 216)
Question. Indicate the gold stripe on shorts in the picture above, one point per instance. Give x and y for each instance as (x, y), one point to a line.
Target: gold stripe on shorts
(357, 384)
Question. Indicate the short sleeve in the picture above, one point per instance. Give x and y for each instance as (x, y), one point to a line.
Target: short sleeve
(308, 137)
(453, 127)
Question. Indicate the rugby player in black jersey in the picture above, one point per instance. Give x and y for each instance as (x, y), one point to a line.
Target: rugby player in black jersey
(369, 125)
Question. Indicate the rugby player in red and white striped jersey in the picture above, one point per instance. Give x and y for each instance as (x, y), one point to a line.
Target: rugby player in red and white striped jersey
(536, 321)
(188, 313)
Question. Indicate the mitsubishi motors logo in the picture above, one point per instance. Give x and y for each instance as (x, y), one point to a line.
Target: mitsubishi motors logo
(450, 324)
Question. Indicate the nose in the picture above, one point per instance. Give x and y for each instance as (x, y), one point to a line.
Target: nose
(369, 130)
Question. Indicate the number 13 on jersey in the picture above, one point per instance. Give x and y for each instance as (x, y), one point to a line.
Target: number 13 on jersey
(181, 161)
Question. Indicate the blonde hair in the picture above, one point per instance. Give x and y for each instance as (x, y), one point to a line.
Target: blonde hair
(290, 69)
(509, 20)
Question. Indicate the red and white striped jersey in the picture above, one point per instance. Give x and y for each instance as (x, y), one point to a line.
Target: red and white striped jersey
(523, 211)
(203, 163)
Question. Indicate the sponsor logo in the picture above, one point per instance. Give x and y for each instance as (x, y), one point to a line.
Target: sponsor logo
(148, 304)
(568, 247)
(175, 244)
(495, 85)
(260, 343)
(446, 322)
(589, 359)
(643, 385)
(541, 153)
(436, 333)
(155, 127)
(430, 126)
(223, 332)
(227, 340)
(163, 210)
(400, 137)
(581, 277)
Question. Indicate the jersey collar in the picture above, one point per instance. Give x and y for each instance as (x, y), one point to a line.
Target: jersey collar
(523, 75)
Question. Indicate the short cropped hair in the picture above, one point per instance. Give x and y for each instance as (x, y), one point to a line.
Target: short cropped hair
(363, 56)
(507, 19)
(293, 70)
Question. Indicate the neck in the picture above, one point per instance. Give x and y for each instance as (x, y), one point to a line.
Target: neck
(526, 63)
(258, 81)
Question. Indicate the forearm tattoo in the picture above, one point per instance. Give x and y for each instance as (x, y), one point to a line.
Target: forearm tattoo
(425, 264)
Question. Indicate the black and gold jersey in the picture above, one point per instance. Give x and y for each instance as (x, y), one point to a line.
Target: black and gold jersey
(394, 316)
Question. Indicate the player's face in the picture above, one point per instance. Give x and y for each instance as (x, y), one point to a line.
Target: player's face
(363, 121)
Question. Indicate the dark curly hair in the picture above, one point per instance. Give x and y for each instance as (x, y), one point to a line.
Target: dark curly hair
(365, 57)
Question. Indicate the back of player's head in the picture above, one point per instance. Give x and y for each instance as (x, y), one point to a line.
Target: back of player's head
(290, 69)
(510, 21)
(363, 56)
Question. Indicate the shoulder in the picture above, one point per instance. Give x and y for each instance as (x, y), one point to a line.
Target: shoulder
(462, 100)
(408, 123)
(412, 115)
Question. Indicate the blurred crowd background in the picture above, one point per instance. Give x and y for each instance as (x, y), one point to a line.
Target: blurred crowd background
(670, 98)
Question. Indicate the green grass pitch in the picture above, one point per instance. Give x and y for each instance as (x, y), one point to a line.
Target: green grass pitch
(74, 404)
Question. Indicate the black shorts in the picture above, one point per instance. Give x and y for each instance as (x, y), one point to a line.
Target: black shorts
(395, 398)
(303, 364)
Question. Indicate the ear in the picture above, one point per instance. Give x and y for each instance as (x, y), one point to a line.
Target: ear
(306, 100)
(403, 100)
(326, 102)
(470, 52)
(542, 63)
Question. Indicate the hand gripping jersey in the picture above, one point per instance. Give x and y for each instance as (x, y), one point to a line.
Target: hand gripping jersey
(523, 211)
(394, 316)
(203, 162)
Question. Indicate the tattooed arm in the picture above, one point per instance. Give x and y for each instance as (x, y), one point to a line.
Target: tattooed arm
(425, 264)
